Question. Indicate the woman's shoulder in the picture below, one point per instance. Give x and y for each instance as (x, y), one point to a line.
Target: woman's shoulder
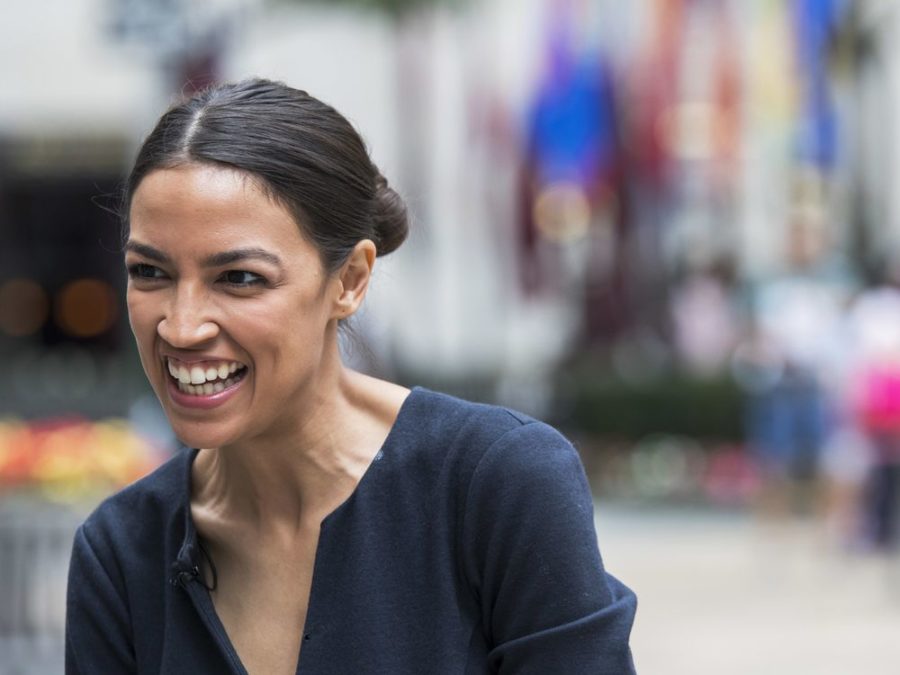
(477, 431)
(149, 502)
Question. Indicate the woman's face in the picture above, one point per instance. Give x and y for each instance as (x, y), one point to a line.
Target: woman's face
(231, 308)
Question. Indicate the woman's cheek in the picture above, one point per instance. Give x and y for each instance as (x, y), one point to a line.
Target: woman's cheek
(144, 312)
(143, 327)
(134, 306)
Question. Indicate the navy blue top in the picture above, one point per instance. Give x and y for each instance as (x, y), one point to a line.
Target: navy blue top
(467, 547)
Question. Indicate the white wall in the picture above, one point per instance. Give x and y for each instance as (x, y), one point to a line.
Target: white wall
(63, 74)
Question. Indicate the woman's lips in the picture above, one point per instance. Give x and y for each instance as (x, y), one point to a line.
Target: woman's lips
(187, 395)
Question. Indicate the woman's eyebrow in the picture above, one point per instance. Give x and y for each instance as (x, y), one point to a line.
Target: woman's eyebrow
(214, 260)
(146, 251)
(239, 254)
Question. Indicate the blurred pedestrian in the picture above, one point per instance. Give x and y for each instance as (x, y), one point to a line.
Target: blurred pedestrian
(797, 324)
(875, 393)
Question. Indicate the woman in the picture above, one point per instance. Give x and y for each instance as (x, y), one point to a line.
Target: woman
(324, 515)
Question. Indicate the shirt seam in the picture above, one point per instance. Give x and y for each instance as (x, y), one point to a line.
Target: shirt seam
(461, 536)
(93, 550)
(117, 588)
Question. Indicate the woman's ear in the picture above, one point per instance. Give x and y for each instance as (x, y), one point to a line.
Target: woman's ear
(354, 278)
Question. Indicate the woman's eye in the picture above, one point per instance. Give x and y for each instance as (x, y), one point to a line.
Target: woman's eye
(144, 271)
(242, 278)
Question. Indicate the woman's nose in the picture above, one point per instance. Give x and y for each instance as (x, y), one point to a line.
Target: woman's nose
(186, 324)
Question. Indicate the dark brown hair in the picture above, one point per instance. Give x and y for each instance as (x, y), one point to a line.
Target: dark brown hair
(303, 152)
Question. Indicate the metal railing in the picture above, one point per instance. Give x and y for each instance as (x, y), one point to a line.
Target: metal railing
(35, 544)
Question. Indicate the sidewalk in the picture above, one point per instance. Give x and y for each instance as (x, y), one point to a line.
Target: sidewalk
(721, 594)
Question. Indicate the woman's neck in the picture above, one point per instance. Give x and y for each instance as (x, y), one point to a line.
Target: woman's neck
(291, 479)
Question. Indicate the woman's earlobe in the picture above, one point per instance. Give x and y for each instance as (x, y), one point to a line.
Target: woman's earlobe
(344, 302)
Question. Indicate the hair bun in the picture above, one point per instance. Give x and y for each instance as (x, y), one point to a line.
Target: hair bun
(390, 218)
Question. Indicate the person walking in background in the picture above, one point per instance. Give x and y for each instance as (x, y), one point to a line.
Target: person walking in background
(797, 321)
(875, 399)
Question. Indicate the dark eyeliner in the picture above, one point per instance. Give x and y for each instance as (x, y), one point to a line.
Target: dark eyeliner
(142, 271)
(256, 280)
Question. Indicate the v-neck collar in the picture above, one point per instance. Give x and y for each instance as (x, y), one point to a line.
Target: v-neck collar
(188, 557)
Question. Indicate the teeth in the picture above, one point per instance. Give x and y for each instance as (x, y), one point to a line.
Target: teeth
(199, 376)
(204, 388)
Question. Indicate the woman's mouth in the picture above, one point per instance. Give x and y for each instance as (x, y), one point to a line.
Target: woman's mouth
(205, 384)
(206, 378)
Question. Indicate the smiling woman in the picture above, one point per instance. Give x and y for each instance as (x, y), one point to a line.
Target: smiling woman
(208, 289)
(324, 521)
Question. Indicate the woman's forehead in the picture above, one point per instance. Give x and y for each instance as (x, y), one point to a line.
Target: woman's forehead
(203, 184)
(203, 201)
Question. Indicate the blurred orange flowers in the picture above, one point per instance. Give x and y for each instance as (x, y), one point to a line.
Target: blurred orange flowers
(73, 460)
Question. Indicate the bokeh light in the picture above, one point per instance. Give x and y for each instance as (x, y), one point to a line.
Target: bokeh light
(562, 212)
(86, 308)
(23, 307)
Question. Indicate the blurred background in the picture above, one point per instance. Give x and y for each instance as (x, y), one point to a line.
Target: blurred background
(669, 227)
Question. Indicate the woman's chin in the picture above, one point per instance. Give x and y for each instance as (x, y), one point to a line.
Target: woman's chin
(193, 437)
